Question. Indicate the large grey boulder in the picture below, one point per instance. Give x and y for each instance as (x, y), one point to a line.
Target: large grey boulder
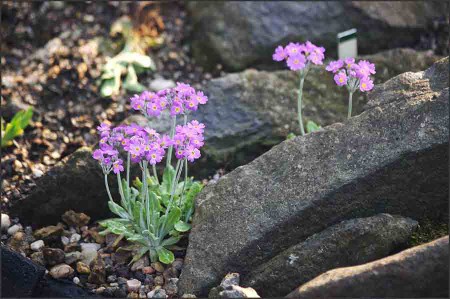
(243, 34)
(392, 158)
(419, 272)
(76, 183)
(348, 243)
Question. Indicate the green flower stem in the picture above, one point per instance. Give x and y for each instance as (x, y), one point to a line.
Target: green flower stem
(299, 102)
(172, 133)
(185, 169)
(128, 175)
(350, 95)
(155, 174)
(124, 200)
(107, 188)
(178, 170)
(145, 183)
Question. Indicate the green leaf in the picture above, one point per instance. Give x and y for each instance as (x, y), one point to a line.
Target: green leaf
(131, 81)
(290, 136)
(118, 210)
(182, 226)
(165, 256)
(141, 251)
(312, 126)
(168, 176)
(15, 128)
(108, 87)
(173, 217)
(170, 241)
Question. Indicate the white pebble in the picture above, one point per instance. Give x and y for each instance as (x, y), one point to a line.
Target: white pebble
(133, 285)
(37, 173)
(75, 238)
(14, 229)
(65, 240)
(37, 245)
(5, 221)
(76, 280)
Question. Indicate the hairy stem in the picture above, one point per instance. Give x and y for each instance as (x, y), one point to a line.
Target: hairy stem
(128, 175)
(107, 188)
(172, 133)
(155, 174)
(299, 104)
(350, 95)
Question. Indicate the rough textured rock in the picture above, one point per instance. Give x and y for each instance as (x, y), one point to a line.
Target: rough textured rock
(348, 243)
(75, 219)
(20, 276)
(242, 34)
(392, 158)
(421, 271)
(75, 184)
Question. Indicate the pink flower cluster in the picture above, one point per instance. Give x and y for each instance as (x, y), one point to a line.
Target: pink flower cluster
(353, 75)
(178, 100)
(188, 140)
(144, 143)
(298, 56)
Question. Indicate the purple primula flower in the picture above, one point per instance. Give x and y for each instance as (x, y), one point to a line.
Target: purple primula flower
(349, 62)
(191, 153)
(117, 166)
(165, 141)
(280, 54)
(366, 65)
(366, 84)
(293, 49)
(196, 126)
(201, 98)
(136, 147)
(340, 79)
(137, 102)
(179, 153)
(177, 108)
(192, 103)
(155, 155)
(296, 63)
(98, 155)
(334, 66)
(153, 109)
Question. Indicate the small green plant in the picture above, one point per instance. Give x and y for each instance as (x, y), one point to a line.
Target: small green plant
(131, 61)
(153, 213)
(15, 127)
(310, 127)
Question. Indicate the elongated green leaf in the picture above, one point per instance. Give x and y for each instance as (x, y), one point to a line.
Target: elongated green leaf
(118, 210)
(170, 241)
(168, 177)
(165, 256)
(195, 189)
(108, 87)
(174, 217)
(182, 226)
(141, 251)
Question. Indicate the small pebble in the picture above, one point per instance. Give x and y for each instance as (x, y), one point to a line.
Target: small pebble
(82, 268)
(75, 238)
(14, 229)
(158, 267)
(148, 270)
(157, 293)
(61, 271)
(159, 280)
(5, 221)
(114, 284)
(76, 280)
(37, 245)
(65, 240)
(37, 173)
(111, 278)
(133, 285)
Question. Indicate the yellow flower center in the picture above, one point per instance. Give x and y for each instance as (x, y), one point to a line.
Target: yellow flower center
(296, 61)
(364, 85)
(341, 80)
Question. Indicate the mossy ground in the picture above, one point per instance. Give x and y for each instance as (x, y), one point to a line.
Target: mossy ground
(428, 231)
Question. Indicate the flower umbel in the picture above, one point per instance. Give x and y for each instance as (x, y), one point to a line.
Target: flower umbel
(299, 57)
(352, 75)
